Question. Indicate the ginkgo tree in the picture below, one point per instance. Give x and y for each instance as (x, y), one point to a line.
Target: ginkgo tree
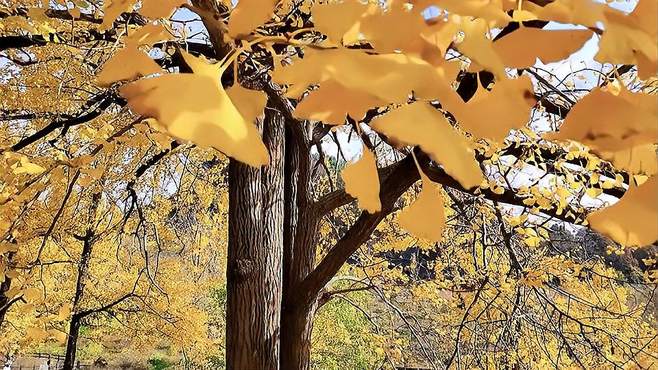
(448, 85)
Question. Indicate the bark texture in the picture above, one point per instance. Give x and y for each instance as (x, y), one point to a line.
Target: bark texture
(302, 221)
(297, 326)
(255, 253)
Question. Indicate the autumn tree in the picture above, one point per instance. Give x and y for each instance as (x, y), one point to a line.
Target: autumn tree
(445, 98)
(489, 296)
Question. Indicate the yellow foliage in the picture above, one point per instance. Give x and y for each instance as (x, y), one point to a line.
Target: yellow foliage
(362, 182)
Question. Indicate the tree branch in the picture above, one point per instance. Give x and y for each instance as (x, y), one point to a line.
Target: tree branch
(65, 15)
(401, 177)
(100, 102)
(86, 313)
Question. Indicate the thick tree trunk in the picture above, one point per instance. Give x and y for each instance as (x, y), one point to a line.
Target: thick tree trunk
(299, 251)
(296, 328)
(254, 274)
(297, 318)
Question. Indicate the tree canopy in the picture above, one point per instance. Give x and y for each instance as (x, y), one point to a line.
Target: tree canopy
(296, 184)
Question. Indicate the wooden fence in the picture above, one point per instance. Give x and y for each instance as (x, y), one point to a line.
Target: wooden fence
(43, 361)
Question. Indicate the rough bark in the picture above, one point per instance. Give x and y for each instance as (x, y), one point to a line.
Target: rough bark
(297, 319)
(254, 274)
(300, 233)
(72, 343)
(296, 326)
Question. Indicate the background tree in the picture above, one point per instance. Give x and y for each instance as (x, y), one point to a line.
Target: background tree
(446, 100)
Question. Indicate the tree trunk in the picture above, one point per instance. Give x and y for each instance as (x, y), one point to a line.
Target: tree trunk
(83, 269)
(254, 273)
(72, 342)
(299, 250)
(296, 328)
(4, 299)
(76, 320)
(297, 318)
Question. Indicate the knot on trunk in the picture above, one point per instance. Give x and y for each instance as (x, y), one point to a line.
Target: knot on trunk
(243, 268)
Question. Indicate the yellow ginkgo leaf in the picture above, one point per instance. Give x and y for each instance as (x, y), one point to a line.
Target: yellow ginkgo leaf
(425, 217)
(637, 32)
(609, 122)
(631, 221)
(149, 35)
(332, 102)
(490, 11)
(195, 107)
(492, 114)
(362, 181)
(640, 159)
(6, 247)
(478, 47)
(250, 103)
(335, 19)
(248, 15)
(593, 192)
(32, 294)
(376, 28)
(201, 66)
(64, 312)
(58, 335)
(440, 34)
(128, 63)
(645, 16)
(388, 77)
(523, 16)
(420, 124)
(583, 12)
(160, 8)
(531, 240)
(75, 12)
(112, 9)
(36, 334)
(24, 166)
(521, 48)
